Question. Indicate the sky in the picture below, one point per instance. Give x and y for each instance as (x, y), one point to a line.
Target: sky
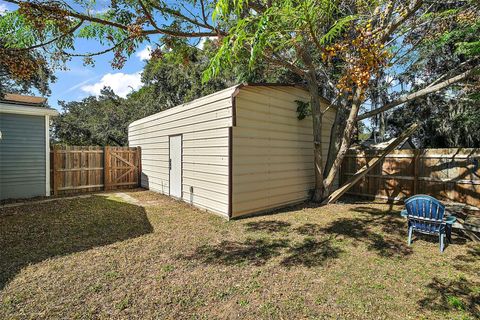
(80, 81)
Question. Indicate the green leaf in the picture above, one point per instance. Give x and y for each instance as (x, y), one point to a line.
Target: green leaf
(339, 26)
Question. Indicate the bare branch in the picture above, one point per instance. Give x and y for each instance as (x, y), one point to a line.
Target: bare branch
(418, 94)
(204, 15)
(461, 65)
(92, 54)
(400, 20)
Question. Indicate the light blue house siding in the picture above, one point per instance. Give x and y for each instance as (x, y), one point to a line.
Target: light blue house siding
(22, 156)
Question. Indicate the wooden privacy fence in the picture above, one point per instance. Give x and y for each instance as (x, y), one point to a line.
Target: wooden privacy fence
(447, 174)
(76, 169)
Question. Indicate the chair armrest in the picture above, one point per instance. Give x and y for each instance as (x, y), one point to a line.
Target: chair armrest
(404, 213)
(450, 219)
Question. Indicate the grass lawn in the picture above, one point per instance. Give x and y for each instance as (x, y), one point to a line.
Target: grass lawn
(100, 257)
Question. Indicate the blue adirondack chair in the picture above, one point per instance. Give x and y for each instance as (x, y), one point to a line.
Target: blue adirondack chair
(426, 214)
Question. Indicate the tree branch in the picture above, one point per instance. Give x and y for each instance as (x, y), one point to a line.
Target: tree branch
(286, 64)
(97, 53)
(72, 30)
(461, 65)
(389, 29)
(204, 15)
(179, 15)
(418, 94)
(148, 15)
(68, 13)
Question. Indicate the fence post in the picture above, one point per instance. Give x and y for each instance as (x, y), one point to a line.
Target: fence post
(416, 156)
(139, 165)
(54, 170)
(106, 168)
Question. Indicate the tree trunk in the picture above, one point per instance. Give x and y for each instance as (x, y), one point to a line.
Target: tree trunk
(345, 143)
(336, 136)
(317, 136)
(381, 127)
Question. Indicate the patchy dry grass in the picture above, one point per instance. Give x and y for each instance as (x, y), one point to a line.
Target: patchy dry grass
(103, 258)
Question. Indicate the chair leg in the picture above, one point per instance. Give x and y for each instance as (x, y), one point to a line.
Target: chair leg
(410, 232)
(448, 230)
(442, 245)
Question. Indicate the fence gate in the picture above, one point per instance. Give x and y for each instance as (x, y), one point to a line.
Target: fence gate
(122, 167)
(90, 168)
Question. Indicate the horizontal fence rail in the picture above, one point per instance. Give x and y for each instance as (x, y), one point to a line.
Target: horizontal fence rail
(76, 169)
(447, 174)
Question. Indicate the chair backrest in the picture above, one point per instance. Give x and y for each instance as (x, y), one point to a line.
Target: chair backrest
(425, 213)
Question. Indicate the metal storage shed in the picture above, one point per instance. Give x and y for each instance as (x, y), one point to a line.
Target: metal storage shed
(24, 147)
(239, 151)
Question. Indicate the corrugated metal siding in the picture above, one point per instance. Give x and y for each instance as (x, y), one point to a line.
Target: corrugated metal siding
(22, 156)
(204, 124)
(272, 149)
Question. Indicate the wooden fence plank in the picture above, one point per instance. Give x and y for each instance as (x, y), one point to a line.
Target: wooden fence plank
(54, 163)
(448, 174)
(106, 168)
(415, 171)
(91, 168)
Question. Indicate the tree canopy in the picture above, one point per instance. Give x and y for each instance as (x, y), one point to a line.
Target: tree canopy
(23, 70)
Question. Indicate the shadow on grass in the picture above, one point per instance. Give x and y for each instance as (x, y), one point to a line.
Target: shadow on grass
(386, 242)
(383, 232)
(33, 233)
(268, 226)
(309, 253)
(251, 252)
(460, 294)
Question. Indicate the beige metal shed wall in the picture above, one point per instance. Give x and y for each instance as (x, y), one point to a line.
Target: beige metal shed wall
(272, 149)
(204, 124)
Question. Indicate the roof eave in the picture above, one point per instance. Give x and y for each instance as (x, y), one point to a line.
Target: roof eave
(16, 108)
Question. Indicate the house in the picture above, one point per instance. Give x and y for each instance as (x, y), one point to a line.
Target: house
(236, 152)
(24, 146)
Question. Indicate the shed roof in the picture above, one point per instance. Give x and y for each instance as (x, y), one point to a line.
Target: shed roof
(267, 84)
(230, 92)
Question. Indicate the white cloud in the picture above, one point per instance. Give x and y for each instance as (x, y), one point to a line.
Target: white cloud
(121, 83)
(145, 54)
(202, 41)
(3, 9)
(99, 11)
(81, 84)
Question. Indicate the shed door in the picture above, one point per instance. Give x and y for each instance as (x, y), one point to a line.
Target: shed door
(175, 166)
